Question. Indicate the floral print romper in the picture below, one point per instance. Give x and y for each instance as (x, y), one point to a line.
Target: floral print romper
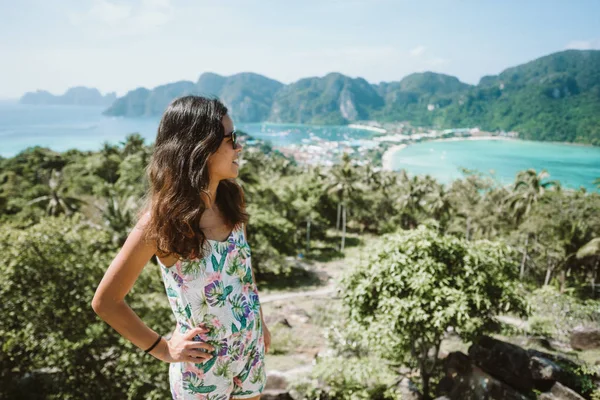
(219, 294)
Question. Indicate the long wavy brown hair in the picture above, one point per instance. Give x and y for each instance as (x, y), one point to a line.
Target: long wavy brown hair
(190, 130)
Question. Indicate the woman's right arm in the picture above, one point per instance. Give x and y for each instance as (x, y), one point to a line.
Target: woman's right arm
(109, 303)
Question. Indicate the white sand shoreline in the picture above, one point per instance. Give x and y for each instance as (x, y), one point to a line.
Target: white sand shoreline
(388, 157)
(458, 139)
(367, 128)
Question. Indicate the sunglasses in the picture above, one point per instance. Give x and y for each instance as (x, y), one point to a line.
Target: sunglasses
(234, 141)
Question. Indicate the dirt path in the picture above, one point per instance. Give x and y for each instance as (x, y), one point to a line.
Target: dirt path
(327, 291)
(304, 313)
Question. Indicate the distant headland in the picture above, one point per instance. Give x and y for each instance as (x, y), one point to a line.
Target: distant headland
(76, 96)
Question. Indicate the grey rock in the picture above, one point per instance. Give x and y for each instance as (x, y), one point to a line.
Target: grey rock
(505, 361)
(585, 338)
(301, 316)
(478, 385)
(276, 380)
(408, 390)
(540, 341)
(457, 363)
(271, 394)
(465, 381)
(523, 369)
(561, 392)
(297, 314)
(275, 319)
(507, 371)
(548, 368)
(545, 372)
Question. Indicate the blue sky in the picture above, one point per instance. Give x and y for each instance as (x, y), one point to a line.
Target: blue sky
(120, 45)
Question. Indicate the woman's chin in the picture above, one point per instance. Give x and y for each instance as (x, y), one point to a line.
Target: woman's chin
(235, 170)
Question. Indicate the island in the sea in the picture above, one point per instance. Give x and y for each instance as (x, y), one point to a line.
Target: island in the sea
(552, 98)
(75, 96)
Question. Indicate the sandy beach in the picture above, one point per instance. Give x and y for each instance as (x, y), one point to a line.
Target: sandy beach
(367, 128)
(388, 156)
(458, 139)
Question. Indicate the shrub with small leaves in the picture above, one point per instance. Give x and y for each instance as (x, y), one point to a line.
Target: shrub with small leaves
(283, 340)
(53, 344)
(419, 283)
(348, 379)
(561, 312)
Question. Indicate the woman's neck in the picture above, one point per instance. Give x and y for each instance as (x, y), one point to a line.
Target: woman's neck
(209, 201)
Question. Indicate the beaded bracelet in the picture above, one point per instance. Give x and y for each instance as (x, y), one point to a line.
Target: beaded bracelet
(154, 345)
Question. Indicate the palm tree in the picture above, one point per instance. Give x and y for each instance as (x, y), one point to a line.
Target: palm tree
(412, 198)
(57, 201)
(591, 250)
(344, 185)
(468, 197)
(439, 206)
(134, 143)
(554, 254)
(372, 177)
(309, 196)
(526, 239)
(597, 183)
(385, 197)
(408, 201)
(109, 158)
(528, 189)
(248, 178)
(561, 224)
(118, 213)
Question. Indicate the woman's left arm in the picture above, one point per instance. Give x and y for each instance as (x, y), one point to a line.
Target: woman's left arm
(266, 332)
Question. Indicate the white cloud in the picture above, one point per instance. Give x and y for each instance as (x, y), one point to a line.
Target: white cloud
(157, 3)
(355, 52)
(428, 60)
(143, 17)
(102, 12)
(418, 51)
(437, 61)
(584, 44)
(376, 64)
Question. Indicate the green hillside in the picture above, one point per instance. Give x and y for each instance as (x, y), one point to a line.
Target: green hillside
(408, 99)
(556, 97)
(249, 96)
(75, 96)
(333, 99)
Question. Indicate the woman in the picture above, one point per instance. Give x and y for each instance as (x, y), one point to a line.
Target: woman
(195, 225)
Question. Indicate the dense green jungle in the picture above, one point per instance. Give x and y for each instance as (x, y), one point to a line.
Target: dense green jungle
(423, 265)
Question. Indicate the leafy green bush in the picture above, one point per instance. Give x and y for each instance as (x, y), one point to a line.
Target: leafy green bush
(418, 284)
(53, 344)
(283, 340)
(271, 238)
(541, 326)
(561, 312)
(348, 379)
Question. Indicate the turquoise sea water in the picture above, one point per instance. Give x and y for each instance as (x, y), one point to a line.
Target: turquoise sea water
(85, 128)
(66, 127)
(572, 165)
